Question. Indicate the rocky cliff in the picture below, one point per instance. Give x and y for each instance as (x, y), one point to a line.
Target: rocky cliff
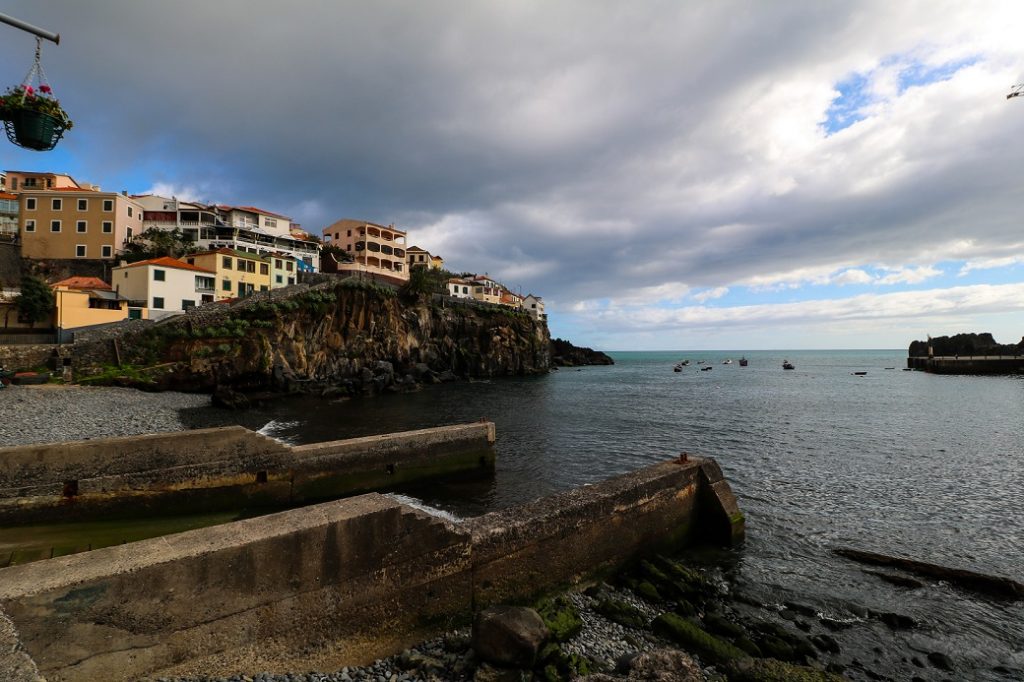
(347, 337)
(965, 344)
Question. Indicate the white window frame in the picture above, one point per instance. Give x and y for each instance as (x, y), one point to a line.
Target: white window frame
(30, 225)
(108, 227)
(83, 204)
(108, 205)
(60, 227)
(84, 248)
(57, 204)
(30, 203)
(107, 251)
(81, 226)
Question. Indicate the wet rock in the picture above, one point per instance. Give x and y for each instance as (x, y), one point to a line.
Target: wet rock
(825, 643)
(649, 592)
(228, 398)
(802, 609)
(940, 661)
(665, 665)
(447, 376)
(897, 621)
(897, 579)
(693, 638)
(511, 636)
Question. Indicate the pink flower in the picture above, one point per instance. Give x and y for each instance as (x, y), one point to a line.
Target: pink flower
(44, 88)
(29, 90)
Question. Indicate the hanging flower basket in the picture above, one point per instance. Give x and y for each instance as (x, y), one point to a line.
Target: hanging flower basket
(34, 130)
(33, 118)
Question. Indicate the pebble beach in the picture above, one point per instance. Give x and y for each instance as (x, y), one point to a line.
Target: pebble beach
(52, 413)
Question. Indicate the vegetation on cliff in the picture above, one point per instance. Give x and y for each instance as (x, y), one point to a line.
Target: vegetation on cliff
(965, 344)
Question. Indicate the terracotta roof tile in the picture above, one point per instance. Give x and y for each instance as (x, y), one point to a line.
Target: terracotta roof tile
(82, 283)
(168, 262)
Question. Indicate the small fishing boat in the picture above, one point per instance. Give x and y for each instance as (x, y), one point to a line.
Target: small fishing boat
(685, 363)
(677, 368)
(743, 362)
(786, 364)
(859, 374)
(706, 369)
(727, 361)
(30, 378)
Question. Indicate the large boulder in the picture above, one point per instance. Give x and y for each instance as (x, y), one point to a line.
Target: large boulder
(509, 636)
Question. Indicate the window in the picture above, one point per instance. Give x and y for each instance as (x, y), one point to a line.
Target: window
(30, 203)
(30, 226)
(108, 227)
(225, 285)
(186, 304)
(134, 314)
(263, 287)
(54, 226)
(278, 279)
(158, 302)
(80, 251)
(108, 251)
(57, 204)
(81, 226)
(226, 262)
(28, 182)
(264, 269)
(108, 205)
(349, 233)
(289, 266)
(83, 204)
(128, 237)
(159, 275)
(291, 280)
(270, 222)
(129, 211)
(278, 264)
(465, 290)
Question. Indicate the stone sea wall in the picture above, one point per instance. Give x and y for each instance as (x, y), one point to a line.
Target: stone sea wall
(334, 584)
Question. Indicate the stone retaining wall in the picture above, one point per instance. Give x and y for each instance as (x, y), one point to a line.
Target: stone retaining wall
(335, 584)
(222, 468)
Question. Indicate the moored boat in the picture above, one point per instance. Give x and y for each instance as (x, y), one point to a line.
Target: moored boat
(727, 361)
(743, 362)
(786, 364)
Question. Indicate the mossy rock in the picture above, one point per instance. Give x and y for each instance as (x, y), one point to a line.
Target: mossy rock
(776, 648)
(771, 670)
(721, 626)
(685, 608)
(693, 638)
(621, 613)
(748, 646)
(561, 617)
(653, 573)
(648, 592)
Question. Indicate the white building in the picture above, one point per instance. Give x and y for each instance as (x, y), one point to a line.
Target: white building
(535, 306)
(460, 288)
(165, 286)
(244, 228)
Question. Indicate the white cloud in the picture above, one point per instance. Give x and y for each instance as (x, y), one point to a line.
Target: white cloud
(182, 192)
(710, 294)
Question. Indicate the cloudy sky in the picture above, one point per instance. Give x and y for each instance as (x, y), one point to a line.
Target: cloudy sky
(667, 175)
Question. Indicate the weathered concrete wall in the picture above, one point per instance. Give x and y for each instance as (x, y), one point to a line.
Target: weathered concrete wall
(29, 356)
(338, 583)
(222, 468)
(309, 588)
(521, 552)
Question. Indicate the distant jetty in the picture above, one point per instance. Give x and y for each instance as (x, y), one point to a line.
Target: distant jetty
(966, 354)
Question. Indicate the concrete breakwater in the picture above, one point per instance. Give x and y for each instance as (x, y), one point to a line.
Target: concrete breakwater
(968, 364)
(337, 583)
(222, 468)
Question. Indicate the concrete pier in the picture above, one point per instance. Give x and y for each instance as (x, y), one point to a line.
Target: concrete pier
(334, 584)
(968, 364)
(222, 468)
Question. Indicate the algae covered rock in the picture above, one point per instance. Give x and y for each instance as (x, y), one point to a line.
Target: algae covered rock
(694, 639)
(771, 670)
(560, 617)
(621, 612)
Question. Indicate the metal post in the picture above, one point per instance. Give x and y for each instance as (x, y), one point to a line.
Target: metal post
(25, 26)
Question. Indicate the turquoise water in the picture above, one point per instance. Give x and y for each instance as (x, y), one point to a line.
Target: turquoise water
(925, 466)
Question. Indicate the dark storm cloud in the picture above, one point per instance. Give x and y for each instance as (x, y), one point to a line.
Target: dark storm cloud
(585, 149)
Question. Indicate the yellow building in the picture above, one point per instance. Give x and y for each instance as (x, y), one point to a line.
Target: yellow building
(418, 257)
(72, 222)
(237, 273)
(86, 301)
